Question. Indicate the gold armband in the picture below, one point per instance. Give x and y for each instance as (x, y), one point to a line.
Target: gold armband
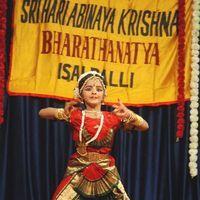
(60, 115)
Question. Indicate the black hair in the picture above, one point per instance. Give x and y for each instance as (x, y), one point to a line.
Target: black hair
(82, 81)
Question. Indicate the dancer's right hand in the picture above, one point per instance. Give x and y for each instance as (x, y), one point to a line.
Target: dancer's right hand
(69, 106)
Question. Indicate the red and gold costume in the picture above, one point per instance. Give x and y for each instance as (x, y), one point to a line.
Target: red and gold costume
(92, 174)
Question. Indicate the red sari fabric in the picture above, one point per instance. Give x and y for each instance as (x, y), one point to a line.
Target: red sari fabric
(92, 178)
(111, 122)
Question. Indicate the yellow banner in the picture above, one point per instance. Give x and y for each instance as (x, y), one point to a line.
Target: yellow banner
(132, 43)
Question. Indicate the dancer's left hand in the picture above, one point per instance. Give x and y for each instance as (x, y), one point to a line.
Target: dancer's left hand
(121, 110)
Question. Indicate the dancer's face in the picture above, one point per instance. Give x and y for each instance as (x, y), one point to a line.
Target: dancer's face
(93, 93)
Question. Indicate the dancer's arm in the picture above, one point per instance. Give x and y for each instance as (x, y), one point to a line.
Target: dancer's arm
(57, 113)
(130, 119)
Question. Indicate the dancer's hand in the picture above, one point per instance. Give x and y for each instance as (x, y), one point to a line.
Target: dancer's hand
(69, 106)
(121, 110)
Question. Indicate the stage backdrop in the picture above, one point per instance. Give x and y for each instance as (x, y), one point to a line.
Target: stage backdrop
(133, 44)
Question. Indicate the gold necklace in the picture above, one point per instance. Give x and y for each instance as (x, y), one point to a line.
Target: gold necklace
(94, 113)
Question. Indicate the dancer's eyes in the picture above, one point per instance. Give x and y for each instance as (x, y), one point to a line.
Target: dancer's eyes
(90, 88)
(99, 89)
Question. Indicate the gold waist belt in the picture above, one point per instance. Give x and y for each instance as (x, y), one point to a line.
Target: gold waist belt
(94, 156)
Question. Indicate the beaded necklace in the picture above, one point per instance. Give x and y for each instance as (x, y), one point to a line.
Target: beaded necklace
(81, 148)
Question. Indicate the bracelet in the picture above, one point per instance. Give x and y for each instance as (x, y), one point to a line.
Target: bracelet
(60, 114)
(128, 119)
(137, 120)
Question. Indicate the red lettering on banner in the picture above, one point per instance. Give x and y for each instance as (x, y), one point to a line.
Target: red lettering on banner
(100, 49)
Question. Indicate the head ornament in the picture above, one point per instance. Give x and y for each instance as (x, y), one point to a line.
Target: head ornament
(84, 78)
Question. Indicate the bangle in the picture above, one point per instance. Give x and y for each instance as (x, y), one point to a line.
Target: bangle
(129, 118)
(134, 118)
(60, 114)
(139, 120)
